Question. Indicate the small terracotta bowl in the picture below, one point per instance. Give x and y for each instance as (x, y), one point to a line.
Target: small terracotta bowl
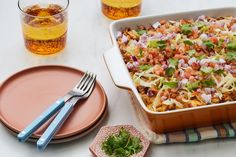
(106, 131)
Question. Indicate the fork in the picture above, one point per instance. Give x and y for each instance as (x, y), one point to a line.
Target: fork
(84, 90)
(81, 90)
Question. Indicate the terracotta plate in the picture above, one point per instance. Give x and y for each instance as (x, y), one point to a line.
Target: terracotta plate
(26, 94)
(70, 138)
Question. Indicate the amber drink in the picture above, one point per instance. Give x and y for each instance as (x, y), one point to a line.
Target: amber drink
(44, 27)
(117, 9)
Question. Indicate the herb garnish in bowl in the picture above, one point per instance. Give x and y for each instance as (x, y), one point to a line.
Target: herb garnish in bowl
(122, 144)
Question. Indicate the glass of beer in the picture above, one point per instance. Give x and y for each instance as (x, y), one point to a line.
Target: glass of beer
(44, 25)
(117, 9)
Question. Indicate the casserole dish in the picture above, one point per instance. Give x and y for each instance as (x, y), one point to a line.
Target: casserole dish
(174, 120)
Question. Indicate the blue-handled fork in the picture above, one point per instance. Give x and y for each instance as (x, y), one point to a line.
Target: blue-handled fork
(82, 90)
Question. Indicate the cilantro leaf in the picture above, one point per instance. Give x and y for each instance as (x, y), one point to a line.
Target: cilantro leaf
(191, 52)
(231, 46)
(188, 42)
(152, 44)
(220, 71)
(200, 24)
(208, 44)
(173, 62)
(206, 69)
(144, 67)
(186, 29)
(122, 144)
(155, 43)
(161, 44)
(208, 83)
(192, 85)
(140, 53)
(141, 32)
(169, 71)
(171, 84)
(230, 56)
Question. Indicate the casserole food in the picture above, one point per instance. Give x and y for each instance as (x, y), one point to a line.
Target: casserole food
(183, 63)
(171, 120)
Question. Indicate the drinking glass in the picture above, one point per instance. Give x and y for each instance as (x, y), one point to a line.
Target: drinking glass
(117, 9)
(44, 25)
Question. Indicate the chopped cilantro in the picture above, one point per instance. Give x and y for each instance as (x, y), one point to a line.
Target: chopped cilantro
(200, 57)
(231, 46)
(220, 71)
(220, 42)
(206, 69)
(140, 53)
(192, 85)
(230, 56)
(154, 44)
(169, 71)
(188, 42)
(161, 44)
(122, 144)
(186, 29)
(144, 67)
(205, 28)
(191, 52)
(173, 62)
(200, 24)
(208, 83)
(171, 84)
(208, 44)
(141, 32)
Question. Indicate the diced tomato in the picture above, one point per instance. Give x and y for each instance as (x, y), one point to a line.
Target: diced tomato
(211, 64)
(189, 72)
(194, 35)
(181, 56)
(214, 39)
(195, 66)
(159, 71)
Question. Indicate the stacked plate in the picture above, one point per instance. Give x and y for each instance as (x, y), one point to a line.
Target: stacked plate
(26, 94)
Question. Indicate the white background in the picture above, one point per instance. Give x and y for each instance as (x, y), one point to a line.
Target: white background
(88, 38)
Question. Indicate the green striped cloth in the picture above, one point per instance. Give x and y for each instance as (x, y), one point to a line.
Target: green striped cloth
(193, 135)
(225, 130)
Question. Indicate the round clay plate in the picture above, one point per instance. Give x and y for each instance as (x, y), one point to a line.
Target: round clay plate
(26, 94)
(70, 138)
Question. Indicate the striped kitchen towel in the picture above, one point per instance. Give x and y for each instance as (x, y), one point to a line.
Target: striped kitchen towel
(225, 130)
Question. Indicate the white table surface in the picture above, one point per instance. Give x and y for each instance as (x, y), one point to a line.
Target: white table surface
(88, 38)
